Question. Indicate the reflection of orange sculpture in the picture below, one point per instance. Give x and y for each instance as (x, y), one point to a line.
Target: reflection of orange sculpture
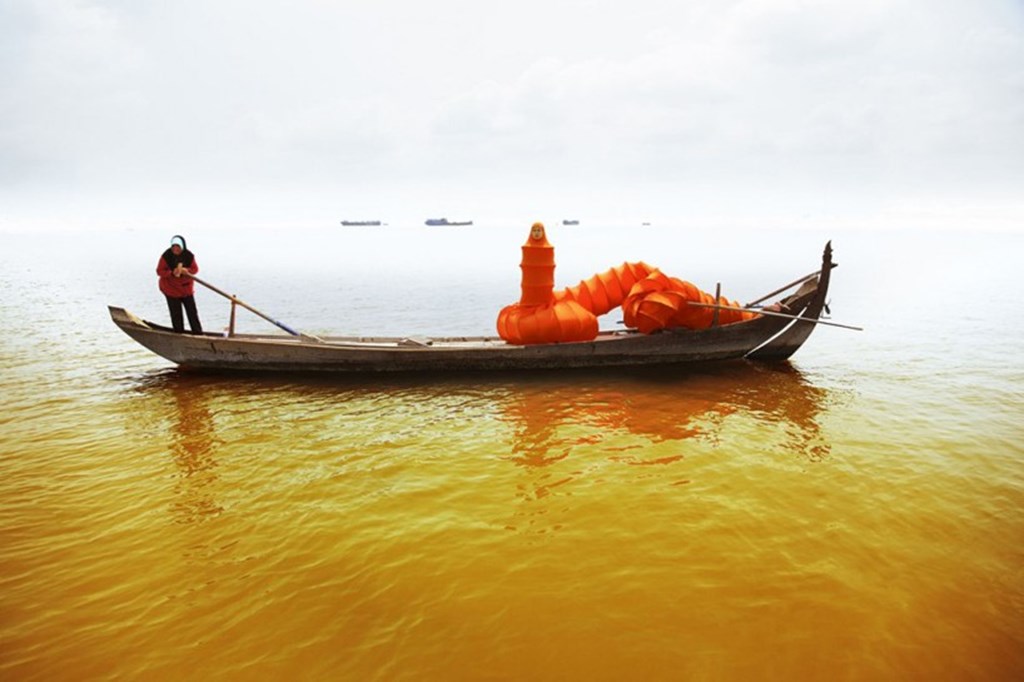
(650, 300)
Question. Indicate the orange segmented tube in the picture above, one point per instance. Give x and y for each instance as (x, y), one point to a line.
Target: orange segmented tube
(606, 291)
(661, 302)
(558, 322)
(538, 317)
(538, 266)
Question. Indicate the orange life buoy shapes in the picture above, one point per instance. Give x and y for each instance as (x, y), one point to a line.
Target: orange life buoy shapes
(650, 300)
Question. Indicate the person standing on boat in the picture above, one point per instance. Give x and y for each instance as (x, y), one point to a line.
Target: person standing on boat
(173, 268)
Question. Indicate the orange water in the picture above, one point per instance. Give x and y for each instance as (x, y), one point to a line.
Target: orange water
(857, 514)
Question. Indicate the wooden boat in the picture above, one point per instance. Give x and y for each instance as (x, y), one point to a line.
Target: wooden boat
(770, 337)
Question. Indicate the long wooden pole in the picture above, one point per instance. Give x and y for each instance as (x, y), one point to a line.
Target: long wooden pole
(268, 318)
(761, 311)
(783, 288)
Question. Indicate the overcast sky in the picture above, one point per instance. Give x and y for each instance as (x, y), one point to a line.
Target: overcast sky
(128, 111)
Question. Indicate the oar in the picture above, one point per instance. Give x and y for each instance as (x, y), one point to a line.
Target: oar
(268, 318)
(783, 288)
(761, 311)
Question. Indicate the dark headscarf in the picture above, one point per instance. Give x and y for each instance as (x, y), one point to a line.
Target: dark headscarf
(185, 257)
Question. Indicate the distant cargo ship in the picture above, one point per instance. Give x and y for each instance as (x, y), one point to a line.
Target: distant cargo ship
(570, 222)
(445, 221)
(349, 223)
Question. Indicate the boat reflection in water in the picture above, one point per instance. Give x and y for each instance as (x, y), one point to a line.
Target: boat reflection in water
(180, 414)
(549, 414)
(551, 419)
(289, 500)
(628, 440)
(624, 431)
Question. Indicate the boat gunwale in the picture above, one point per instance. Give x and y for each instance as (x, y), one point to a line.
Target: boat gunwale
(405, 342)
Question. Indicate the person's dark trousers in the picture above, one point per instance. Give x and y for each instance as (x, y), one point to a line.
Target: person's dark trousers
(177, 322)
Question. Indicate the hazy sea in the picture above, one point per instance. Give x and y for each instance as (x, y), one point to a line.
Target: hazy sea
(855, 514)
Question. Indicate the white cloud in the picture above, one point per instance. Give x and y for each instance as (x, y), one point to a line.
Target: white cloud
(874, 97)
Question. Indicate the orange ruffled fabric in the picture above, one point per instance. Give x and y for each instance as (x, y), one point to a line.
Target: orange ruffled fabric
(539, 317)
(650, 300)
(606, 291)
(662, 302)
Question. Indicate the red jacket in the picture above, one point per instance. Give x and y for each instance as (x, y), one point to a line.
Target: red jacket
(176, 287)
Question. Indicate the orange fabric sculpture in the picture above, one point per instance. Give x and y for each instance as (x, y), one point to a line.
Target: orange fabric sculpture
(538, 317)
(606, 291)
(650, 300)
(662, 302)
